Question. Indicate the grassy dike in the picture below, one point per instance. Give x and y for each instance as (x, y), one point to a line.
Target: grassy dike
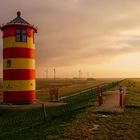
(81, 123)
(109, 126)
(17, 123)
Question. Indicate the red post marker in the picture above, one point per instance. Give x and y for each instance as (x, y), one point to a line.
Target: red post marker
(99, 96)
(101, 99)
(121, 100)
(100, 102)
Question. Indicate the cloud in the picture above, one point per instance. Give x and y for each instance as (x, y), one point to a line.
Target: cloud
(79, 31)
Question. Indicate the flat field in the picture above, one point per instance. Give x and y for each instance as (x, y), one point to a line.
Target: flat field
(106, 126)
(81, 123)
(65, 86)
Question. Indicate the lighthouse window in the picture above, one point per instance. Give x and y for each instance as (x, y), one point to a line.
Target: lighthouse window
(21, 35)
(9, 63)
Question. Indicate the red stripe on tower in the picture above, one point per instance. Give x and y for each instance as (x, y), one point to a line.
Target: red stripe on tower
(10, 31)
(19, 96)
(18, 52)
(19, 74)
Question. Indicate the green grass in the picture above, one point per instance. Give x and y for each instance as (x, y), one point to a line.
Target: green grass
(66, 86)
(21, 122)
(75, 120)
(114, 126)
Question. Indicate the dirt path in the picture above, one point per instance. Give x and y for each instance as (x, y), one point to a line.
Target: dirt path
(111, 103)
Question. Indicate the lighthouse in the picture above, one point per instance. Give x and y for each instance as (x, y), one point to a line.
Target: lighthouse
(18, 61)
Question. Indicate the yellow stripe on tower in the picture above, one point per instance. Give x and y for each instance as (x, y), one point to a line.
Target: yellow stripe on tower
(18, 85)
(9, 42)
(19, 64)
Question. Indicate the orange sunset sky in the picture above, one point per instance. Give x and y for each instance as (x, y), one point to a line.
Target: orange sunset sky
(99, 37)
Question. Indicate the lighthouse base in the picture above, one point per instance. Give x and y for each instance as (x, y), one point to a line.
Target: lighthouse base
(19, 96)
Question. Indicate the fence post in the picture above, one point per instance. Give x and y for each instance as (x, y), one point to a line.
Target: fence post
(120, 99)
(44, 112)
(101, 91)
(120, 92)
(99, 96)
(101, 99)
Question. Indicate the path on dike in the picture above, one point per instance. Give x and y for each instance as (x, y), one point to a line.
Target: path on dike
(111, 103)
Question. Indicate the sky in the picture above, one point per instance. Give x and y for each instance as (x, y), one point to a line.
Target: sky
(101, 38)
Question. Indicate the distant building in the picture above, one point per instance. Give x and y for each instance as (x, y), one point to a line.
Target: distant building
(90, 79)
(18, 61)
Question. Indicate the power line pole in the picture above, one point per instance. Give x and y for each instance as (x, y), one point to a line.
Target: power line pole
(92, 75)
(79, 72)
(87, 75)
(54, 73)
(46, 71)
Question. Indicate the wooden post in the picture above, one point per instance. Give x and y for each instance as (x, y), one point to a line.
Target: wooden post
(121, 100)
(44, 112)
(101, 92)
(99, 101)
(120, 92)
(99, 96)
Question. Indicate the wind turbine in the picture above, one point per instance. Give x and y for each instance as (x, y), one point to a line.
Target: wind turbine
(54, 70)
(46, 71)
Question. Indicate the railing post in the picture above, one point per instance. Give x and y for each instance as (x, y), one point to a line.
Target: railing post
(101, 99)
(120, 99)
(44, 112)
(120, 92)
(99, 96)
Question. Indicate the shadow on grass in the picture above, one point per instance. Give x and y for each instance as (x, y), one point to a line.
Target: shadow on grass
(133, 107)
(46, 129)
(109, 113)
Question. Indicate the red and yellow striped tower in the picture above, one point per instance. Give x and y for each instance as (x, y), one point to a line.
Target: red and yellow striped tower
(18, 61)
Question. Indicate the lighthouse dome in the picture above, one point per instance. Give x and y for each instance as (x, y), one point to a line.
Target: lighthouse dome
(19, 21)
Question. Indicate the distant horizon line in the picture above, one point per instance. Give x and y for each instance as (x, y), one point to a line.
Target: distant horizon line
(87, 78)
